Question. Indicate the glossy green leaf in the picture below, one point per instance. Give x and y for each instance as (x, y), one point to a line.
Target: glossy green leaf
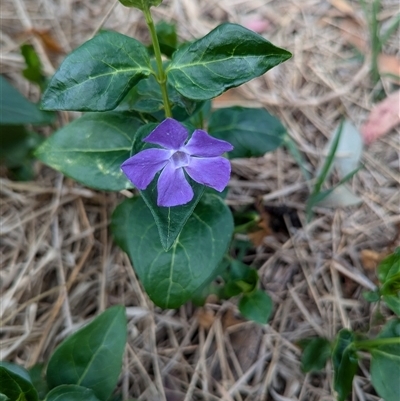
(228, 56)
(315, 354)
(141, 4)
(92, 148)
(97, 75)
(252, 132)
(169, 220)
(15, 383)
(16, 110)
(256, 306)
(170, 278)
(385, 363)
(345, 363)
(70, 392)
(3, 397)
(92, 357)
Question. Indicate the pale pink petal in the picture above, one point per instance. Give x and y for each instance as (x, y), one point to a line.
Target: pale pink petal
(214, 172)
(142, 167)
(204, 145)
(170, 134)
(173, 188)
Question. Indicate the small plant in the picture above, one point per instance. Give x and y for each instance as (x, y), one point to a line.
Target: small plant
(150, 126)
(384, 349)
(86, 366)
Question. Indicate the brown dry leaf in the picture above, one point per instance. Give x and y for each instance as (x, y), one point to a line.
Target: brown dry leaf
(47, 39)
(229, 319)
(370, 259)
(389, 65)
(205, 318)
(246, 345)
(343, 6)
(257, 237)
(354, 33)
(384, 117)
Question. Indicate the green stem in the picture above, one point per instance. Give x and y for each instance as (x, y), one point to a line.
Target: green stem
(161, 77)
(368, 344)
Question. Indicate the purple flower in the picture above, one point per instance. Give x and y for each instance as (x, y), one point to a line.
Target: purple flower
(200, 158)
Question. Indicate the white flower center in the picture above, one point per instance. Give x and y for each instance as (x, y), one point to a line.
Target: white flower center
(180, 159)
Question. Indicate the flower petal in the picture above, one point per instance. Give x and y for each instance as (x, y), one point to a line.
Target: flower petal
(142, 167)
(204, 145)
(214, 172)
(173, 188)
(170, 134)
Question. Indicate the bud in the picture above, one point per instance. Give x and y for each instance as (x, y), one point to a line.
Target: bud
(141, 4)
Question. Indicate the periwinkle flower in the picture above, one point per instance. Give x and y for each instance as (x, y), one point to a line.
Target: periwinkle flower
(200, 158)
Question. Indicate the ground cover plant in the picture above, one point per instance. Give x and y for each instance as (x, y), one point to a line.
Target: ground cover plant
(149, 125)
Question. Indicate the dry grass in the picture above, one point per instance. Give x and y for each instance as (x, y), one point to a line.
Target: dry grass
(60, 267)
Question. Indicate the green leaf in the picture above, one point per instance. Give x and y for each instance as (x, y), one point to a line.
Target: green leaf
(141, 4)
(252, 132)
(92, 357)
(170, 278)
(385, 363)
(92, 148)
(68, 392)
(389, 276)
(345, 363)
(146, 97)
(97, 75)
(15, 383)
(228, 56)
(169, 220)
(240, 278)
(16, 110)
(256, 306)
(315, 355)
(33, 71)
(389, 267)
(37, 374)
(16, 152)
(371, 296)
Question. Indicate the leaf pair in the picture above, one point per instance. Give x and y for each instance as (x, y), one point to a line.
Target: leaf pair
(97, 75)
(85, 367)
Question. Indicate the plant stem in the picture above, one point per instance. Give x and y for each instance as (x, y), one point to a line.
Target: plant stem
(368, 344)
(161, 77)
